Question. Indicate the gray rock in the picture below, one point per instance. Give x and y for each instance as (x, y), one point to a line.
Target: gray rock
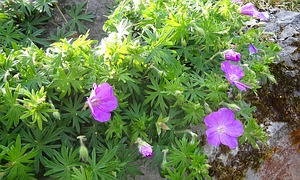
(286, 27)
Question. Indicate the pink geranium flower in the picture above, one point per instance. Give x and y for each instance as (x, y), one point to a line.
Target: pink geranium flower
(144, 148)
(223, 128)
(234, 73)
(232, 55)
(250, 10)
(252, 49)
(102, 101)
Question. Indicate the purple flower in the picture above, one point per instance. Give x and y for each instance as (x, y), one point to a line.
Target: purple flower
(234, 73)
(264, 16)
(223, 128)
(250, 10)
(252, 49)
(232, 55)
(144, 148)
(236, 1)
(102, 101)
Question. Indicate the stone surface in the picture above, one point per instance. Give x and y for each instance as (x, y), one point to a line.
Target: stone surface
(286, 27)
(283, 100)
(283, 164)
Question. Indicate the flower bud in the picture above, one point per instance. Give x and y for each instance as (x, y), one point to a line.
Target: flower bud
(83, 151)
(161, 124)
(56, 115)
(252, 49)
(144, 148)
(164, 126)
(232, 55)
(164, 161)
(207, 108)
(232, 107)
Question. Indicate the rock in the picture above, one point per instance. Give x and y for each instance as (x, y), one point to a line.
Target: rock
(286, 27)
(282, 100)
(284, 162)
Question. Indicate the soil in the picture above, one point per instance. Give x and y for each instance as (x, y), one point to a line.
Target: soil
(100, 9)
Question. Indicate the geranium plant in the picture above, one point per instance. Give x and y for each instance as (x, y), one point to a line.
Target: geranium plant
(163, 67)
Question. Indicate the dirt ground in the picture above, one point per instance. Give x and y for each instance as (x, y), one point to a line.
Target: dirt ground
(99, 9)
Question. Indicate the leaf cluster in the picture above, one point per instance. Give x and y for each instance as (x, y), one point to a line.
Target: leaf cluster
(163, 60)
(24, 22)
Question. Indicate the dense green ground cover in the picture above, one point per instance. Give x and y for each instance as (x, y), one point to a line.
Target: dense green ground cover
(163, 61)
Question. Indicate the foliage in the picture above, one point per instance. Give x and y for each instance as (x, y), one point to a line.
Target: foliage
(24, 22)
(77, 17)
(163, 60)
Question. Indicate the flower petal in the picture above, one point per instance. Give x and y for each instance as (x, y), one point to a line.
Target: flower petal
(237, 70)
(101, 116)
(146, 150)
(212, 120)
(231, 69)
(229, 141)
(104, 91)
(108, 105)
(252, 49)
(232, 55)
(213, 137)
(241, 86)
(248, 9)
(264, 16)
(235, 129)
(226, 116)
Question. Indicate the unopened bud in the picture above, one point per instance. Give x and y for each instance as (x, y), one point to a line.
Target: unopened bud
(56, 115)
(233, 107)
(144, 148)
(207, 108)
(164, 161)
(83, 151)
(164, 126)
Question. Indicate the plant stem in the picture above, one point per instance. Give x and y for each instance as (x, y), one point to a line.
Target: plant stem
(61, 12)
(214, 56)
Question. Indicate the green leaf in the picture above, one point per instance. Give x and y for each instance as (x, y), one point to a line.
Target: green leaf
(253, 133)
(9, 34)
(37, 107)
(61, 164)
(20, 161)
(103, 169)
(14, 109)
(44, 6)
(73, 111)
(157, 96)
(81, 174)
(61, 33)
(116, 128)
(44, 141)
(78, 15)
(64, 82)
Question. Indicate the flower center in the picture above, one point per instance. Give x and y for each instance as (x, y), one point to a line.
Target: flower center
(233, 77)
(96, 101)
(221, 129)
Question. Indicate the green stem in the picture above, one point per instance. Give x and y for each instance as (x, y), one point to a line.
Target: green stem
(214, 56)
(61, 12)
